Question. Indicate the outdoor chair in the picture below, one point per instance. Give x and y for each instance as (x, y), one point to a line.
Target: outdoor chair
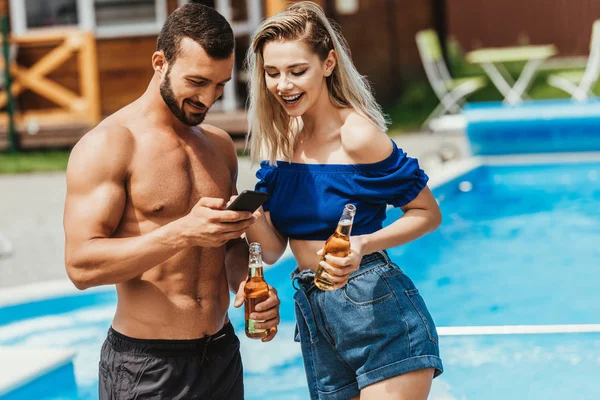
(451, 92)
(579, 84)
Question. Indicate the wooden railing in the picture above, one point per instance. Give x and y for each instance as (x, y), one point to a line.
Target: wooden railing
(73, 108)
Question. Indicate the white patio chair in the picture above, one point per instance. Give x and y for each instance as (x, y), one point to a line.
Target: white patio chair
(451, 92)
(579, 83)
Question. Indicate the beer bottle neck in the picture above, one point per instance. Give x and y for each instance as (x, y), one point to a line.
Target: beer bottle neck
(347, 217)
(345, 224)
(255, 270)
(346, 220)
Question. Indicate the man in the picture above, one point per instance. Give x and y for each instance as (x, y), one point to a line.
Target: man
(145, 210)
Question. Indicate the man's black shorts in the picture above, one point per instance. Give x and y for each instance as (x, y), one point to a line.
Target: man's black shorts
(208, 368)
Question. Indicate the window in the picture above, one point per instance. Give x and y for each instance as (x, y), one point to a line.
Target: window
(107, 18)
(129, 17)
(41, 14)
(115, 12)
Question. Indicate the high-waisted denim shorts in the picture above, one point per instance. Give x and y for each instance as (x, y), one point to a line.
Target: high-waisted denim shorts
(374, 328)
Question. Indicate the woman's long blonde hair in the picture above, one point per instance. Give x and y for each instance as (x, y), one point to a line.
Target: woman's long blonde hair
(271, 131)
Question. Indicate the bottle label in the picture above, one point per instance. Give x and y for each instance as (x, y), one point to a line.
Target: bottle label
(251, 327)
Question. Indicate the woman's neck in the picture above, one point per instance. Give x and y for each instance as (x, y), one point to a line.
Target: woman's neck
(322, 118)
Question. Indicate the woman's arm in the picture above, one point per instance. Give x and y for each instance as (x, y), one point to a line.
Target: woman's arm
(421, 216)
(273, 243)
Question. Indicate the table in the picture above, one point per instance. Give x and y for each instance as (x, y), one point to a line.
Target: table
(492, 60)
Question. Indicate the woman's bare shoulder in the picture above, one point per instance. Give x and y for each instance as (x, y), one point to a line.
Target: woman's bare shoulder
(363, 141)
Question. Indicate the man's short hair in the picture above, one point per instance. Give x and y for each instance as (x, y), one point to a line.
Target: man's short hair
(202, 24)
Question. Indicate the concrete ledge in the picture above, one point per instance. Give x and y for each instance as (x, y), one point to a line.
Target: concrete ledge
(448, 123)
(452, 170)
(517, 329)
(23, 365)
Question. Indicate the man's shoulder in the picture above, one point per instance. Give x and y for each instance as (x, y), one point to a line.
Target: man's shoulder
(108, 132)
(109, 142)
(223, 141)
(219, 137)
(214, 133)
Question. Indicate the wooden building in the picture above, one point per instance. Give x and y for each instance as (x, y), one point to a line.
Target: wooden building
(380, 34)
(125, 35)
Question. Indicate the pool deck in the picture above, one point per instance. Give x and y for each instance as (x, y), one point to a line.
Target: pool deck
(27, 364)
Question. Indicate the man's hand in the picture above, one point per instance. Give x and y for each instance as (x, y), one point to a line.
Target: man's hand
(267, 311)
(209, 224)
(338, 269)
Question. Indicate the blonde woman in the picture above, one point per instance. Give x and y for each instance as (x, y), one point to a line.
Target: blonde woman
(314, 119)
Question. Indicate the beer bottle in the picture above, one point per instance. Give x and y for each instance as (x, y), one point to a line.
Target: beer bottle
(256, 291)
(337, 245)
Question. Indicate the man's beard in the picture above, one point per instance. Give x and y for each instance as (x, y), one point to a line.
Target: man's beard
(166, 91)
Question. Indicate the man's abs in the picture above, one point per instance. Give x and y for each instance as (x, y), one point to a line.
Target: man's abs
(185, 297)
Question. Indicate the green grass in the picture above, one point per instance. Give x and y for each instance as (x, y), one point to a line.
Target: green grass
(418, 99)
(242, 152)
(29, 162)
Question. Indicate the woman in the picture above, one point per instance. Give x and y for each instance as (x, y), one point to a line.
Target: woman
(315, 120)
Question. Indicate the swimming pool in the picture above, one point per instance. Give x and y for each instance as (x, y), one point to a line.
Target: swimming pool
(518, 246)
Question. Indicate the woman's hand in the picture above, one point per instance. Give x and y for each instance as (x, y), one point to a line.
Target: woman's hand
(338, 269)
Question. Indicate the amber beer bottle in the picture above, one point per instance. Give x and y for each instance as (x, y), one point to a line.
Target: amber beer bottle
(337, 245)
(256, 291)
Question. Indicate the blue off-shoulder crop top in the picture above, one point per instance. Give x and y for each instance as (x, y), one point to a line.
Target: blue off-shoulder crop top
(306, 200)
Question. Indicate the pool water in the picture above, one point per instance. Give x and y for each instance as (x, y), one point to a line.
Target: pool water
(521, 247)
(518, 245)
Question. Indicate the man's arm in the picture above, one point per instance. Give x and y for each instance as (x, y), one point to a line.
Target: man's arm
(95, 202)
(96, 175)
(236, 262)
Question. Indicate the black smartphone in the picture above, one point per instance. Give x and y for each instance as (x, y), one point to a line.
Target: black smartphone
(248, 200)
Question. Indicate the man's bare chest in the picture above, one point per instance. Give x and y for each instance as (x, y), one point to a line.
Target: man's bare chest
(168, 185)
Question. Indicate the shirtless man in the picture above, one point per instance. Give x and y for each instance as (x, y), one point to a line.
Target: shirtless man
(146, 192)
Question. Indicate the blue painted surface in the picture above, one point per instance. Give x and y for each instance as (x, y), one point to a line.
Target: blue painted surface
(541, 126)
(521, 247)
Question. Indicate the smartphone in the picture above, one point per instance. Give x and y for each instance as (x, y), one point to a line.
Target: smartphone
(248, 200)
